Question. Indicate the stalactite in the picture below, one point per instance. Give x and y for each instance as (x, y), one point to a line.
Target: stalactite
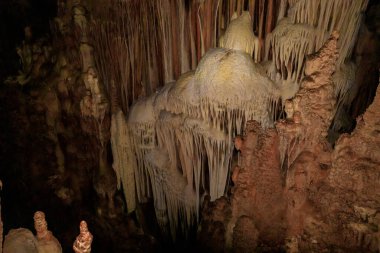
(177, 183)
(141, 122)
(124, 161)
(305, 29)
(187, 127)
(283, 6)
(139, 59)
(327, 16)
(344, 79)
(232, 87)
(191, 145)
(184, 130)
(290, 43)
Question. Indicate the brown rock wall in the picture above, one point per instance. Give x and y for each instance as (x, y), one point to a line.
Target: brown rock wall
(293, 190)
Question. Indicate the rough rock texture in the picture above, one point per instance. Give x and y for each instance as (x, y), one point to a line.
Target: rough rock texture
(306, 150)
(20, 240)
(55, 155)
(257, 191)
(245, 235)
(215, 217)
(46, 241)
(364, 74)
(292, 190)
(350, 197)
(83, 241)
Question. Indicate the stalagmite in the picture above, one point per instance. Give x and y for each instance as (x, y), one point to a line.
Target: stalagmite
(86, 49)
(46, 242)
(20, 240)
(83, 241)
(239, 36)
(94, 104)
(79, 17)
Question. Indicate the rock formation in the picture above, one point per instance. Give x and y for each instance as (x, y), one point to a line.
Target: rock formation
(83, 241)
(175, 132)
(349, 198)
(46, 242)
(292, 189)
(20, 240)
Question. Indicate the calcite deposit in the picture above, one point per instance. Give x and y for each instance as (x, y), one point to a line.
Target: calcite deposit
(294, 191)
(46, 241)
(20, 240)
(83, 241)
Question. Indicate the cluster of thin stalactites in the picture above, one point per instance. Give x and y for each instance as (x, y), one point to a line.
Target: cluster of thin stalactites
(176, 145)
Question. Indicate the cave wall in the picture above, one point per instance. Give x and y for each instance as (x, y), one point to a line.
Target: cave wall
(55, 151)
(306, 196)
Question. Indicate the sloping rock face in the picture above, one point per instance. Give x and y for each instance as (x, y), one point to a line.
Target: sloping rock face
(257, 193)
(350, 197)
(292, 191)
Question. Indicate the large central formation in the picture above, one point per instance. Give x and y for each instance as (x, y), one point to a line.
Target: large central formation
(176, 145)
(181, 138)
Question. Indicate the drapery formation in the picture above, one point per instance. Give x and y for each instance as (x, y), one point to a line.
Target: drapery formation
(182, 135)
(177, 142)
(141, 45)
(302, 30)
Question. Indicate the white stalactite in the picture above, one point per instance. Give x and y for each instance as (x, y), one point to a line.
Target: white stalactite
(305, 29)
(124, 161)
(290, 44)
(189, 125)
(141, 122)
(327, 16)
(233, 89)
(186, 130)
